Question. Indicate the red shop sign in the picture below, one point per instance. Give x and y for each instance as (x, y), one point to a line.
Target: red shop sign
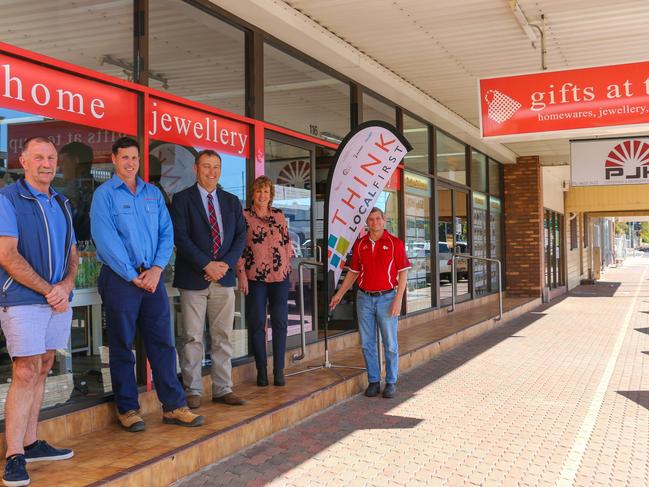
(35, 89)
(189, 127)
(605, 96)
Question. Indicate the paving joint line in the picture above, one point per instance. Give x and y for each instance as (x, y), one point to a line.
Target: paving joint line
(575, 456)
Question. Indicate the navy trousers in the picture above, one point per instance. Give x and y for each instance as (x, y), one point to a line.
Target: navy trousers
(127, 307)
(273, 295)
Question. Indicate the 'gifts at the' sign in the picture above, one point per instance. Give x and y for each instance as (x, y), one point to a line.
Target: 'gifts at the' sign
(559, 101)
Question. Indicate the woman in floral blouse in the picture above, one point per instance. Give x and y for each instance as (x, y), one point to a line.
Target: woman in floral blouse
(263, 273)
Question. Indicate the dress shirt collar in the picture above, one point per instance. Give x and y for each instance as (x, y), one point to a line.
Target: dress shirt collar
(204, 192)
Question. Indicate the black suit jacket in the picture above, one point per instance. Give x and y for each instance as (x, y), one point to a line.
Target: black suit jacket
(193, 238)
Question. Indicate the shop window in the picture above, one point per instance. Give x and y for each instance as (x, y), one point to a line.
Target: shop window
(495, 239)
(375, 109)
(418, 241)
(574, 236)
(417, 134)
(584, 230)
(445, 241)
(303, 98)
(495, 175)
(97, 35)
(478, 171)
(479, 244)
(196, 55)
(553, 245)
(84, 162)
(463, 277)
(450, 158)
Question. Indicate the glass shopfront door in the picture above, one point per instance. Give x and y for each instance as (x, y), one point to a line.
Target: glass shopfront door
(453, 238)
(290, 164)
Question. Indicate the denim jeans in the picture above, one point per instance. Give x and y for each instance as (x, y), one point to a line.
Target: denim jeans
(373, 311)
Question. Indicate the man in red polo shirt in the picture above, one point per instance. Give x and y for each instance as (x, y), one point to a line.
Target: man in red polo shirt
(380, 264)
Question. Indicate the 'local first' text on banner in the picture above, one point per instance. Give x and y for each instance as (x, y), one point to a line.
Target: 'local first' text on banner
(363, 166)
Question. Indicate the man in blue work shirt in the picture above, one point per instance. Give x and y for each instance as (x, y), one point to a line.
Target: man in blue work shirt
(132, 230)
(38, 266)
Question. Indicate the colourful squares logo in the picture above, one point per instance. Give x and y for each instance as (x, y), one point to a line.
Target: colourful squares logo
(342, 263)
(343, 245)
(332, 241)
(335, 260)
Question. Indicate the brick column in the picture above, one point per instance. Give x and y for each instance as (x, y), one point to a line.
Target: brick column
(524, 227)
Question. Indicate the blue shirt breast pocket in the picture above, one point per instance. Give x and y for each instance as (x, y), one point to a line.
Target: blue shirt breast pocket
(125, 219)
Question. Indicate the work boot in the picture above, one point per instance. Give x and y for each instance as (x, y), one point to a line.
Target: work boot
(262, 377)
(389, 391)
(373, 389)
(182, 417)
(131, 420)
(278, 377)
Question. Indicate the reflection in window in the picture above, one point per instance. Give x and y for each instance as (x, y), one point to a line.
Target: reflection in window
(495, 238)
(479, 236)
(303, 98)
(495, 171)
(451, 158)
(197, 56)
(417, 134)
(418, 241)
(290, 169)
(478, 171)
(171, 169)
(95, 34)
(461, 232)
(375, 109)
(553, 238)
(84, 163)
(445, 241)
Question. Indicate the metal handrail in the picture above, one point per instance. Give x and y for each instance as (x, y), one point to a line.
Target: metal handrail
(475, 257)
(305, 263)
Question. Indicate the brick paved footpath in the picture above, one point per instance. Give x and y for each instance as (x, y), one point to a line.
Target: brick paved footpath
(559, 396)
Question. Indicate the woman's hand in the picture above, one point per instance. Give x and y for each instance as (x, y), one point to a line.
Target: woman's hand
(243, 286)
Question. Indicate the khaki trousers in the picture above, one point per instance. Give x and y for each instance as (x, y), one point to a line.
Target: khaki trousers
(217, 303)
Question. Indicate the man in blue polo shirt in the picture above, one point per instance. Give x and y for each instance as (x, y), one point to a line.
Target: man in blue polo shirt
(132, 230)
(38, 266)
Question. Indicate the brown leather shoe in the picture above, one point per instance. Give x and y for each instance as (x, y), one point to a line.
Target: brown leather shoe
(194, 402)
(182, 417)
(231, 399)
(131, 420)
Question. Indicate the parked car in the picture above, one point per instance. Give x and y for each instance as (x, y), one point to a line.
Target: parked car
(444, 261)
(462, 265)
(445, 264)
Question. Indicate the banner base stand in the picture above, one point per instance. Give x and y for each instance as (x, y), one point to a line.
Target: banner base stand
(325, 365)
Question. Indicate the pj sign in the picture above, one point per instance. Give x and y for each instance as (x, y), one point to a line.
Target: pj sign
(607, 162)
(588, 98)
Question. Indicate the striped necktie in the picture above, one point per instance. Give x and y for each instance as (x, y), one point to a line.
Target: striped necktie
(214, 227)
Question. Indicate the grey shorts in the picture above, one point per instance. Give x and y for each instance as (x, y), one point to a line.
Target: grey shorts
(33, 329)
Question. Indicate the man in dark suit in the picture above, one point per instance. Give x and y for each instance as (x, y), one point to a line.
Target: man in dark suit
(210, 235)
